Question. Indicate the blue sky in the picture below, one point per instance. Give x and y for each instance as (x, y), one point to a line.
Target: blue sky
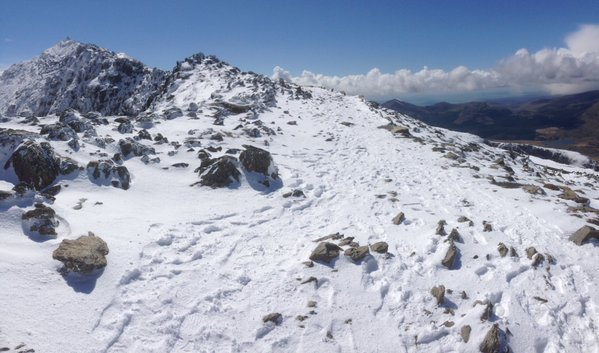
(327, 38)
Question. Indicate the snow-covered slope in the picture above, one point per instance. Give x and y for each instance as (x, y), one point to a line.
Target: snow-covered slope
(80, 76)
(195, 269)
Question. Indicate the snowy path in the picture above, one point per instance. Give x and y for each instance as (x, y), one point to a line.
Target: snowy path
(204, 285)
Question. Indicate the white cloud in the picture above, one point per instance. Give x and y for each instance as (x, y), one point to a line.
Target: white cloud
(571, 69)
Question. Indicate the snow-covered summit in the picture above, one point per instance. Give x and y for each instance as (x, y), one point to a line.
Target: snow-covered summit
(242, 214)
(80, 76)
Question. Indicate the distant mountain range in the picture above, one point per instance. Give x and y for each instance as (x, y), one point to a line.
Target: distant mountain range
(568, 122)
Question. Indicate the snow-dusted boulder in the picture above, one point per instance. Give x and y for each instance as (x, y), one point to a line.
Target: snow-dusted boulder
(221, 172)
(41, 220)
(257, 160)
(130, 147)
(35, 164)
(105, 172)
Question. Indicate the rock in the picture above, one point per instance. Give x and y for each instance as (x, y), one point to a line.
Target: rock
(571, 195)
(584, 235)
(502, 249)
(454, 236)
(465, 333)
(451, 155)
(35, 164)
(380, 247)
(441, 228)
(106, 171)
(42, 220)
(221, 173)
(346, 241)
(275, 318)
(491, 343)
(358, 253)
(59, 131)
(204, 155)
(450, 256)
(551, 186)
(487, 227)
(312, 304)
(439, 293)
(530, 252)
(463, 219)
(533, 189)
(537, 259)
(255, 159)
(180, 165)
(129, 147)
(399, 218)
(125, 127)
(513, 252)
(172, 113)
(143, 134)
(325, 252)
(84, 254)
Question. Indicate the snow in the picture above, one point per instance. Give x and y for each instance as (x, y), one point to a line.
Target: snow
(194, 269)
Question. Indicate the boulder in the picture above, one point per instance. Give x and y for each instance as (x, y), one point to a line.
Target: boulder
(449, 259)
(222, 172)
(41, 220)
(465, 333)
(399, 218)
(502, 249)
(381, 247)
(454, 236)
(571, 195)
(275, 318)
(439, 293)
(584, 235)
(325, 252)
(129, 147)
(357, 253)
(492, 341)
(84, 254)
(534, 189)
(106, 171)
(35, 164)
(59, 131)
(255, 159)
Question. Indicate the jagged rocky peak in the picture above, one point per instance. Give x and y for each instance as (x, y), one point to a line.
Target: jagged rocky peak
(81, 76)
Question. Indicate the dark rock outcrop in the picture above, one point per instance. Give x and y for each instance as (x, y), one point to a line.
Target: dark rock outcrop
(257, 160)
(222, 172)
(35, 164)
(41, 220)
(357, 253)
(381, 247)
(107, 171)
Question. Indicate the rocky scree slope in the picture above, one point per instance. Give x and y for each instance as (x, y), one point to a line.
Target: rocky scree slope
(244, 214)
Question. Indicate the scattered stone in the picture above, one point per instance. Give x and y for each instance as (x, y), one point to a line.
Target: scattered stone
(107, 171)
(542, 300)
(451, 155)
(275, 318)
(454, 236)
(513, 252)
(346, 241)
(487, 312)
(487, 227)
(463, 219)
(129, 147)
(534, 189)
(465, 333)
(221, 173)
(441, 228)
(439, 293)
(334, 236)
(308, 263)
(450, 256)
(537, 259)
(551, 186)
(380, 247)
(312, 304)
(530, 252)
(41, 220)
(584, 235)
(502, 249)
(571, 195)
(357, 253)
(491, 343)
(301, 317)
(180, 165)
(463, 295)
(399, 218)
(309, 280)
(84, 254)
(325, 252)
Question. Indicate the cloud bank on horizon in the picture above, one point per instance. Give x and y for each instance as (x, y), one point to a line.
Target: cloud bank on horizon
(572, 69)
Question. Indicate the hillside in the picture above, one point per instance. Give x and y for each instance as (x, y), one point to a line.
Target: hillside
(568, 122)
(214, 197)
